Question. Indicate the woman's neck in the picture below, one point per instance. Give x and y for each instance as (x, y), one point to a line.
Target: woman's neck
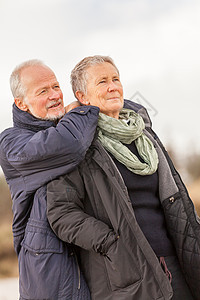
(114, 115)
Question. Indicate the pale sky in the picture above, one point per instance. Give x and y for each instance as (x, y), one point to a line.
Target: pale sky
(155, 44)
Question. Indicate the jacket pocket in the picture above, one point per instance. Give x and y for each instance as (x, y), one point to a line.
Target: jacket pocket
(39, 238)
(41, 259)
(122, 267)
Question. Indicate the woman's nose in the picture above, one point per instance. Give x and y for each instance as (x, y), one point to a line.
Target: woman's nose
(112, 86)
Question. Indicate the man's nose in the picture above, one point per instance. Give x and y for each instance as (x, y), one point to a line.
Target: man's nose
(54, 94)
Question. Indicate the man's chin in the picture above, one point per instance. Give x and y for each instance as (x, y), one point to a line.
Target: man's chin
(50, 117)
(55, 117)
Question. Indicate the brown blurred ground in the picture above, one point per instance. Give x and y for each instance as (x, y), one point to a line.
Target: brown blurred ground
(194, 192)
(8, 258)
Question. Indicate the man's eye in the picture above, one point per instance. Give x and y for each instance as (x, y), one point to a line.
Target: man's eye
(102, 81)
(116, 79)
(43, 91)
(56, 87)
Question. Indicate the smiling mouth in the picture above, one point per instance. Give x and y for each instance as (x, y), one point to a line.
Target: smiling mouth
(55, 105)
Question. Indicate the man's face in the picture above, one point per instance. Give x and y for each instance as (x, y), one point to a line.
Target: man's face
(104, 89)
(44, 98)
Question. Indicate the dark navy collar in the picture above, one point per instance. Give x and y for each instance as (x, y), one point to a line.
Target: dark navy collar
(23, 119)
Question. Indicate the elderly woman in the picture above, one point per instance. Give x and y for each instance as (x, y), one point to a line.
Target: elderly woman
(125, 206)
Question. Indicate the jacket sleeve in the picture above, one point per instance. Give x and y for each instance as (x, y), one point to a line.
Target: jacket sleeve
(52, 152)
(65, 212)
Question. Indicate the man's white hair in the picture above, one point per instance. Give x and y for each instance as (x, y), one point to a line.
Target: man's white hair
(17, 87)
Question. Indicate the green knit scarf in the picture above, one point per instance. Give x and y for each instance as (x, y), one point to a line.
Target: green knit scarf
(113, 133)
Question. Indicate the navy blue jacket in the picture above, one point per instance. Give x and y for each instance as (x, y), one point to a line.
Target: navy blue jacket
(32, 153)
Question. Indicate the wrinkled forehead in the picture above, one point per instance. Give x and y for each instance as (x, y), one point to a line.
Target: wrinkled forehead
(36, 75)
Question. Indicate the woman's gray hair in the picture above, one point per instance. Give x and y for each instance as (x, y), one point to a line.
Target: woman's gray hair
(79, 73)
(17, 87)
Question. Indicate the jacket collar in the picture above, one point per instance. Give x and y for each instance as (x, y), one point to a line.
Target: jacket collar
(23, 119)
(140, 110)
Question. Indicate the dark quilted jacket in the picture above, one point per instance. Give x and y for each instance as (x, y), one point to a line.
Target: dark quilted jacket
(90, 207)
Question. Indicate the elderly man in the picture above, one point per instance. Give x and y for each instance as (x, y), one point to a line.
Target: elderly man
(34, 151)
(125, 205)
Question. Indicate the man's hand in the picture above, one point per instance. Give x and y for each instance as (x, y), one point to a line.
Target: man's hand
(72, 105)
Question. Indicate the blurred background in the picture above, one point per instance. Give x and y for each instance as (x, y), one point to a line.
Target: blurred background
(155, 44)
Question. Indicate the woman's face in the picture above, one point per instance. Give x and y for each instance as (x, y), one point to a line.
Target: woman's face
(104, 89)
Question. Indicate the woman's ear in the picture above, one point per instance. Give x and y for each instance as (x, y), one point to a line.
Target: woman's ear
(20, 104)
(82, 98)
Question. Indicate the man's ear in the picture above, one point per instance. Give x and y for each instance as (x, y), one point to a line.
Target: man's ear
(82, 98)
(20, 104)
